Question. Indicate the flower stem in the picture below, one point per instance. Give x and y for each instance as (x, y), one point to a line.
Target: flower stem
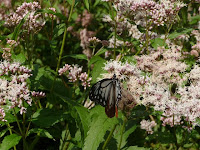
(9, 128)
(122, 130)
(63, 44)
(109, 137)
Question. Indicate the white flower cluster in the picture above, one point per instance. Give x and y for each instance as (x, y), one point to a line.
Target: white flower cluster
(33, 22)
(148, 125)
(158, 81)
(74, 73)
(14, 90)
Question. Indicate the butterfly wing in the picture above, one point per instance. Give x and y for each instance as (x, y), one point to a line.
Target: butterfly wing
(107, 93)
(110, 106)
(100, 91)
(113, 99)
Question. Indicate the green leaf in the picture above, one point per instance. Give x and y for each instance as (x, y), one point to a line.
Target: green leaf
(47, 117)
(59, 30)
(77, 56)
(19, 58)
(41, 132)
(101, 51)
(3, 132)
(157, 43)
(86, 2)
(129, 128)
(183, 31)
(84, 120)
(10, 117)
(98, 127)
(98, 67)
(10, 141)
(194, 19)
(96, 3)
(18, 28)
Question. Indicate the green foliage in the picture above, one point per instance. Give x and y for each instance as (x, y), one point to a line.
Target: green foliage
(99, 125)
(10, 141)
(45, 118)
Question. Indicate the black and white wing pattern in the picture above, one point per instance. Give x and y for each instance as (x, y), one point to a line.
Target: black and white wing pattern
(107, 93)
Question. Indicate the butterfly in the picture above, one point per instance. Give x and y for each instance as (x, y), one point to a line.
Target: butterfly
(107, 93)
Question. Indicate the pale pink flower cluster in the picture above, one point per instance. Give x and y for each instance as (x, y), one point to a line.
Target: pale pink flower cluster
(12, 43)
(7, 51)
(2, 114)
(158, 80)
(86, 18)
(94, 40)
(122, 70)
(123, 25)
(33, 23)
(148, 125)
(149, 12)
(115, 42)
(38, 94)
(196, 34)
(14, 91)
(7, 68)
(6, 54)
(4, 6)
(196, 48)
(164, 65)
(74, 73)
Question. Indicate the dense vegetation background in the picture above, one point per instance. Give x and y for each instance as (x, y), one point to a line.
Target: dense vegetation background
(52, 52)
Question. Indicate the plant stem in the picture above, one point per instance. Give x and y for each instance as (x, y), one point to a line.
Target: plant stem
(122, 130)
(22, 132)
(63, 44)
(9, 128)
(115, 28)
(17, 122)
(109, 137)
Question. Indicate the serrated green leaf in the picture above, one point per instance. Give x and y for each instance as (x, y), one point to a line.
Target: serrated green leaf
(98, 127)
(10, 141)
(47, 117)
(83, 115)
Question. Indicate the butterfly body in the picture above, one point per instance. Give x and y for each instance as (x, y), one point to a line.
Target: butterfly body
(107, 93)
